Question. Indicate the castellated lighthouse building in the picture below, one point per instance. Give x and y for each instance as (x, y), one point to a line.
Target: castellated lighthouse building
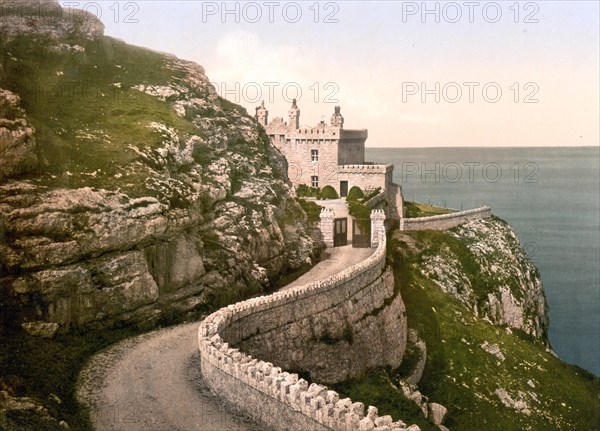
(329, 155)
(324, 155)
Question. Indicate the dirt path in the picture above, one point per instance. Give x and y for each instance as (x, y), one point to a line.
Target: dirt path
(152, 382)
(336, 260)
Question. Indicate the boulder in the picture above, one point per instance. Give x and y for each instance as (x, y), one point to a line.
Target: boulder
(437, 412)
(41, 329)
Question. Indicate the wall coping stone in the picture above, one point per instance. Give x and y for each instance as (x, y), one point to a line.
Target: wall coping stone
(314, 401)
(454, 219)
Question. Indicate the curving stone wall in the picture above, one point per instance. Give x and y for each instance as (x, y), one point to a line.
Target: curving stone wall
(358, 296)
(332, 340)
(445, 221)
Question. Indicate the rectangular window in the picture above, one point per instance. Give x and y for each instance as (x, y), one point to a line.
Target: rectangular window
(314, 181)
(314, 155)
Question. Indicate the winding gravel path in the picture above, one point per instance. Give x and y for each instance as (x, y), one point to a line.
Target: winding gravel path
(336, 260)
(152, 382)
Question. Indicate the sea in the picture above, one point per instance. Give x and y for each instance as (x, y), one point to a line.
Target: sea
(551, 197)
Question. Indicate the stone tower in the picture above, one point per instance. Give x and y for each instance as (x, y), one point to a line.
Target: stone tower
(262, 115)
(337, 119)
(294, 113)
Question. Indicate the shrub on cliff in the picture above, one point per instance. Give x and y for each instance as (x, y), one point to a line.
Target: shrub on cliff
(312, 210)
(329, 192)
(354, 194)
(371, 194)
(303, 191)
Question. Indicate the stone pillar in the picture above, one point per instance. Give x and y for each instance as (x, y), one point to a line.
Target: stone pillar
(395, 208)
(327, 221)
(377, 228)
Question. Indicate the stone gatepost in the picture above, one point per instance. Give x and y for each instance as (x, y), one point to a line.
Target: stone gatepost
(327, 221)
(377, 220)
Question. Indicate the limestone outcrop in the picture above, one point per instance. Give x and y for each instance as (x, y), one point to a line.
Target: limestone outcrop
(17, 140)
(153, 198)
(505, 287)
(24, 413)
(48, 18)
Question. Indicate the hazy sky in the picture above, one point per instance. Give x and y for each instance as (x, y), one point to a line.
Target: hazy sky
(386, 63)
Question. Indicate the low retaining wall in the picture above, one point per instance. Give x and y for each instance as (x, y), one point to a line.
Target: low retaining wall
(277, 398)
(445, 221)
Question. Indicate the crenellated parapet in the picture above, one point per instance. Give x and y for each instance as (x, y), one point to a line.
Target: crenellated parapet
(265, 391)
(366, 169)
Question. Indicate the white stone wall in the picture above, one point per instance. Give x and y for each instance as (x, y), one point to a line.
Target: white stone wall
(367, 177)
(445, 221)
(315, 341)
(377, 227)
(267, 393)
(327, 225)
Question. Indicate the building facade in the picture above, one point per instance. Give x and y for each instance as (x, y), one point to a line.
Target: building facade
(326, 154)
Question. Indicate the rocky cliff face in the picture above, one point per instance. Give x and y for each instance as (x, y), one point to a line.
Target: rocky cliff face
(488, 270)
(17, 141)
(128, 189)
(46, 17)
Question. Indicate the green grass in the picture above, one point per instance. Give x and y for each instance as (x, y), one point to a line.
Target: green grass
(437, 242)
(459, 374)
(414, 210)
(85, 125)
(432, 243)
(463, 377)
(377, 388)
(312, 210)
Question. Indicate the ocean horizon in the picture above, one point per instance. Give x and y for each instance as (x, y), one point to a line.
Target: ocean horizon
(550, 196)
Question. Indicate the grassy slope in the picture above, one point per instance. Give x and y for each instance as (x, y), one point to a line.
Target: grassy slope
(463, 377)
(414, 209)
(84, 124)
